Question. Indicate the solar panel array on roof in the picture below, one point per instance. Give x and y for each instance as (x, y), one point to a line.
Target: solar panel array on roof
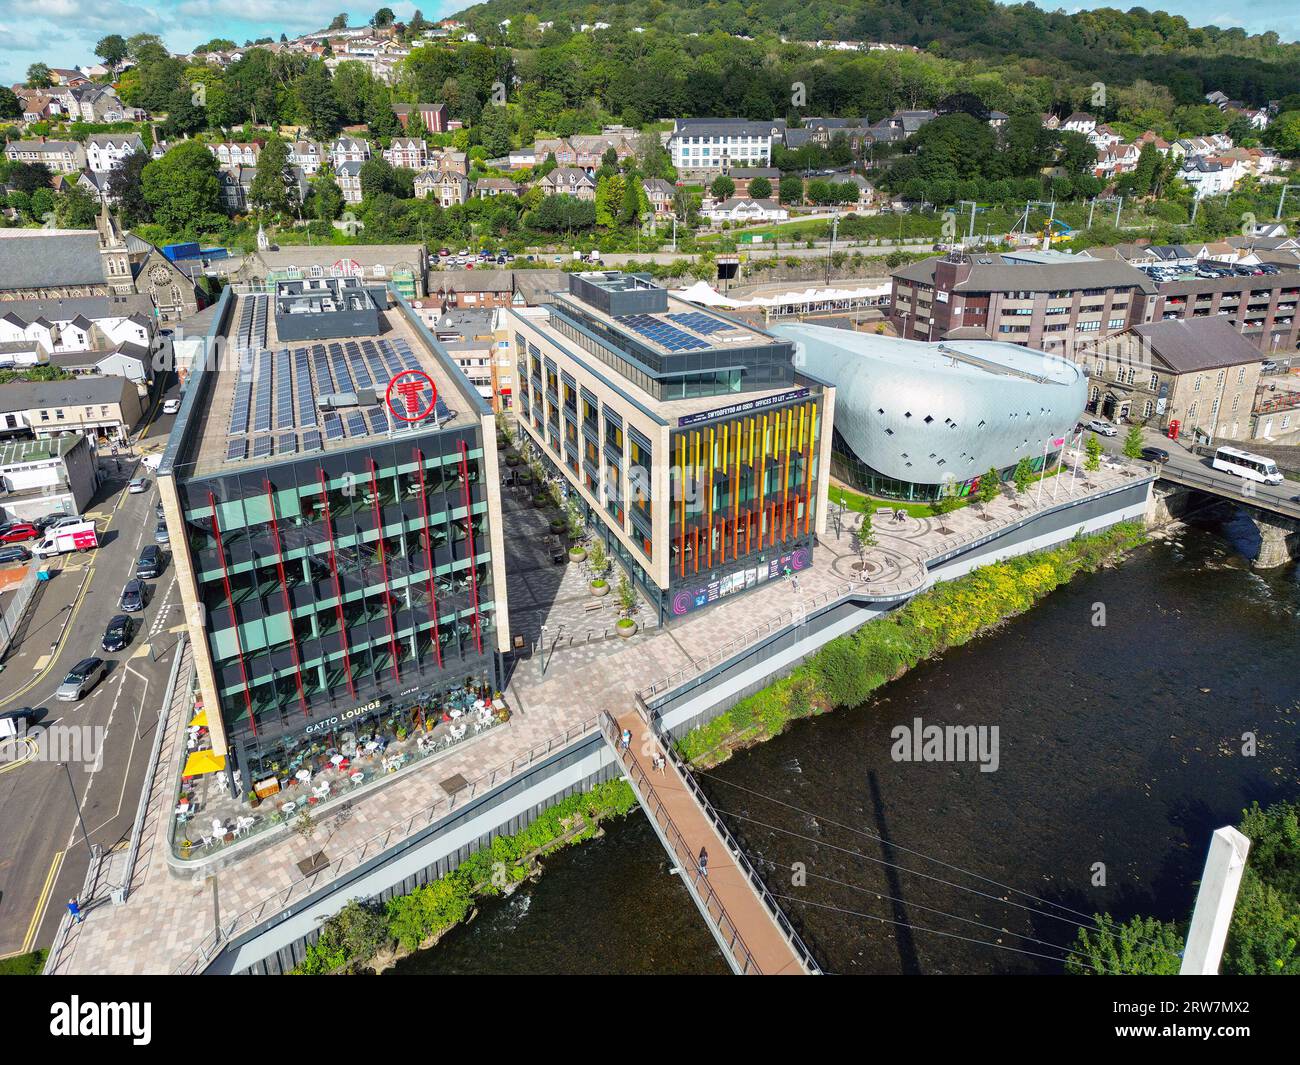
(276, 392)
(666, 336)
(700, 322)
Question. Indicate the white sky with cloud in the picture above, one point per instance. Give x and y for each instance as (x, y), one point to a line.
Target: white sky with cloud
(63, 33)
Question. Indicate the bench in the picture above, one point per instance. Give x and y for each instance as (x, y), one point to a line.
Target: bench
(593, 605)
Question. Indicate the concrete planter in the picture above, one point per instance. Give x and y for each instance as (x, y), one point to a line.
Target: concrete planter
(626, 627)
(577, 554)
(599, 588)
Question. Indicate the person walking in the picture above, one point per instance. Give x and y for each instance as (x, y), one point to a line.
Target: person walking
(663, 764)
(702, 862)
(794, 579)
(627, 738)
(75, 910)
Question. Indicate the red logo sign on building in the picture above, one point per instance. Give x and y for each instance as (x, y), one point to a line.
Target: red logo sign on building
(411, 396)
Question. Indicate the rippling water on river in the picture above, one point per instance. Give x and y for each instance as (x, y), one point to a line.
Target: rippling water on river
(1119, 747)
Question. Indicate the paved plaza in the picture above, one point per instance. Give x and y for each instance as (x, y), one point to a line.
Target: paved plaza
(555, 694)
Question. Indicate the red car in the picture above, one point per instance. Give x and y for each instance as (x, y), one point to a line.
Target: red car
(18, 532)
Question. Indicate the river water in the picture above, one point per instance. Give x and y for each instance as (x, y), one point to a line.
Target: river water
(1119, 751)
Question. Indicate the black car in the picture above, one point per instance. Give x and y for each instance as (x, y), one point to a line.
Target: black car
(133, 596)
(151, 563)
(1155, 454)
(16, 720)
(118, 634)
(14, 553)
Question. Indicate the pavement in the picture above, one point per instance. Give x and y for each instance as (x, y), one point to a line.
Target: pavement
(43, 854)
(555, 697)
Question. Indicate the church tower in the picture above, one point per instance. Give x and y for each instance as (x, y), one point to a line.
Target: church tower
(113, 254)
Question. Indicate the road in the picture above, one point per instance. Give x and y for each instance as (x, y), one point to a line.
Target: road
(1281, 497)
(43, 855)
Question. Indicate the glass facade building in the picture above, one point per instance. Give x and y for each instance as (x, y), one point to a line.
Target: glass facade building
(342, 590)
(694, 448)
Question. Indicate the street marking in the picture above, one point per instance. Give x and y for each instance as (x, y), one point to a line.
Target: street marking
(42, 901)
(41, 663)
(30, 741)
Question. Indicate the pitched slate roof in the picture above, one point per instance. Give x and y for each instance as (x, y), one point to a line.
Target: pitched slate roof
(1187, 345)
(40, 259)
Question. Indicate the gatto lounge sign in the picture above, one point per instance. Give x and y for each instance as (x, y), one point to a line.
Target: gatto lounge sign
(328, 724)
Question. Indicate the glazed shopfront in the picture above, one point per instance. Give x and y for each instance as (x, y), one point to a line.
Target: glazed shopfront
(347, 598)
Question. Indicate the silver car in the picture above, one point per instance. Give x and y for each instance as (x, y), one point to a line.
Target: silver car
(81, 679)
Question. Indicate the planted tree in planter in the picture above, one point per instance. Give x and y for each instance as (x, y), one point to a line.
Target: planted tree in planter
(864, 536)
(573, 518)
(1133, 442)
(1022, 476)
(1092, 459)
(942, 507)
(990, 488)
(626, 605)
(598, 561)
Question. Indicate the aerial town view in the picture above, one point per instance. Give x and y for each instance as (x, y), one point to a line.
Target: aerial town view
(650, 488)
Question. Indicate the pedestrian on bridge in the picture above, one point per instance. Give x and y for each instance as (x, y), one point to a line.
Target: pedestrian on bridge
(703, 862)
(75, 910)
(627, 738)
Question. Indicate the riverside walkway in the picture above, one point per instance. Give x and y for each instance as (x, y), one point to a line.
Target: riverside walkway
(755, 936)
(175, 921)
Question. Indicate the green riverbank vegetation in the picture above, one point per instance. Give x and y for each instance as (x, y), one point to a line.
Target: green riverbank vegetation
(1264, 937)
(848, 669)
(364, 937)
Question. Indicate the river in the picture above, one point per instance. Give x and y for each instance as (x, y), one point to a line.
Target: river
(1119, 751)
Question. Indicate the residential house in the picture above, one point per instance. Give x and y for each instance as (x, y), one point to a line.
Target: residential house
(1080, 122)
(105, 151)
(704, 145)
(447, 187)
(556, 146)
(348, 176)
(408, 152)
(742, 209)
(491, 186)
(568, 181)
(104, 408)
(347, 149)
(308, 155)
(660, 195)
(60, 156)
(742, 176)
(231, 155)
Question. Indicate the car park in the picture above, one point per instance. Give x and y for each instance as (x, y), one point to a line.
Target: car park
(119, 632)
(81, 679)
(152, 561)
(14, 553)
(140, 484)
(134, 594)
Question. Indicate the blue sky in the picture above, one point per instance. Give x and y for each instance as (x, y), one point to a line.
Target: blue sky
(64, 32)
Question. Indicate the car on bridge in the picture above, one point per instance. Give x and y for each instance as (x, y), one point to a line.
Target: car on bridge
(1155, 454)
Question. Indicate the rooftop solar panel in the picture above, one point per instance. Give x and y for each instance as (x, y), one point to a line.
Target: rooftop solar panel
(333, 427)
(236, 450)
(286, 444)
(262, 446)
(311, 441)
(700, 322)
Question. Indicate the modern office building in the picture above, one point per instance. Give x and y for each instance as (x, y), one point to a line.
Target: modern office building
(1046, 300)
(696, 449)
(915, 419)
(340, 566)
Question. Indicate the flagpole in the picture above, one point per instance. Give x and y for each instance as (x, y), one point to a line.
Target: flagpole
(1042, 475)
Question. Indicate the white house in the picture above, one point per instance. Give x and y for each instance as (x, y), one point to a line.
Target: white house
(716, 143)
(348, 150)
(307, 154)
(743, 209)
(1080, 122)
(105, 151)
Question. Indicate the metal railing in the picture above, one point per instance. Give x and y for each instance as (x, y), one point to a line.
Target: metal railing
(211, 944)
(146, 793)
(13, 613)
(686, 858)
(55, 957)
(1231, 488)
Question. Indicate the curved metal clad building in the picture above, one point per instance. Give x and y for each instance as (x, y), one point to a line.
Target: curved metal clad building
(911, 416)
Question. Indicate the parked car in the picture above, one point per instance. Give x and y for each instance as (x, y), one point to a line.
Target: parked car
(1100, 427)
(157, 509)
(134, 594)
(1267, 366)
(140, 484)
(81, 679)
(152, 561)
(18, 532)
(1155, 454)
(14, 553)
(119, 632)
(160, 533)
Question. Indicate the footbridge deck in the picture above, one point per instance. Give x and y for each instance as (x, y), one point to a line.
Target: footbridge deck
(755, 936)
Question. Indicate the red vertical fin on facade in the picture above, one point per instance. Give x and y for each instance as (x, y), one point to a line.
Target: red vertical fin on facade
(288, 603)
(338, 585)
(469, 531)
(383, 567)
(428, 552)
(234, 618)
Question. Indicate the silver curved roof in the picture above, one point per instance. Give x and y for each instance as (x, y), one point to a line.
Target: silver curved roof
(925, 412)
